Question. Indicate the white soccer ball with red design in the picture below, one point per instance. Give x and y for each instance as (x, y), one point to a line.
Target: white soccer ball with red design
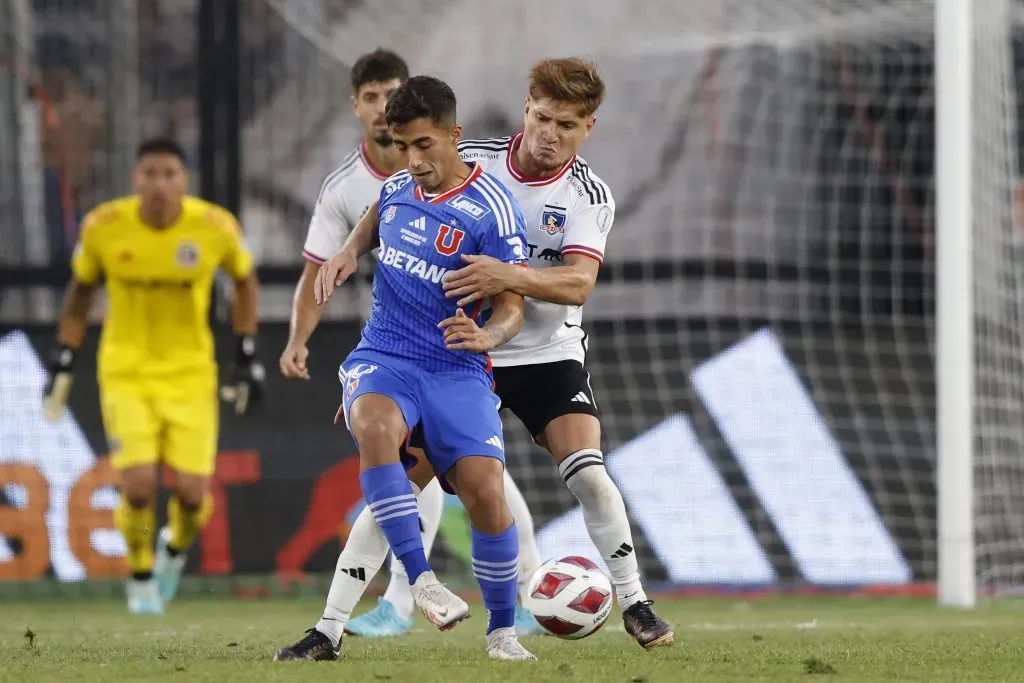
(570, 597)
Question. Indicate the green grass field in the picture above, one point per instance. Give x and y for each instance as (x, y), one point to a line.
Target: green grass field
(719, 639)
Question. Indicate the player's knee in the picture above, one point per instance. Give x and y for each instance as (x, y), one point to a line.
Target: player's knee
(138, 486)
(190, 490)
(138, 499)
(189, 499)
(485, 498)
(378, 437)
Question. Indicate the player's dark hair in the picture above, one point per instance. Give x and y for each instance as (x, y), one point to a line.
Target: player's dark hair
(160, 145)
(420, 97)
(376, 67)
(569, 79)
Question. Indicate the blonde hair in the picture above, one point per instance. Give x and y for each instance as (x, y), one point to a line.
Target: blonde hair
(568, 79)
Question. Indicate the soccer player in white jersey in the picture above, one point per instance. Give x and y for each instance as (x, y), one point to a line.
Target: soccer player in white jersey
(540, 375)
(344, 197)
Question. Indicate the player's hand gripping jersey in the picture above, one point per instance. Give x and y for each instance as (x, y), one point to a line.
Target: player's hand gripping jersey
(421, 240)
(570, 212)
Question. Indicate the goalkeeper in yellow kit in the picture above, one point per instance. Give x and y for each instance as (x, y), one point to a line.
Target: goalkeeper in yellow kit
(158, 252)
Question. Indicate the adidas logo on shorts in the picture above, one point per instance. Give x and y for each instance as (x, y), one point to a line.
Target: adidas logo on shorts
(496, 442)
(581, 398)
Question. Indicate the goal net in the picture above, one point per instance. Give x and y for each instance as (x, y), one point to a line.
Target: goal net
(761, 341)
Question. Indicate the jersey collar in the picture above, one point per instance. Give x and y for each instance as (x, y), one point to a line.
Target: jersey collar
(438, 198)
(513, 147)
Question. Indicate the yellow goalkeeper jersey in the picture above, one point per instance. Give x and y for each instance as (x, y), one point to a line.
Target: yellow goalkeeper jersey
(156, 335)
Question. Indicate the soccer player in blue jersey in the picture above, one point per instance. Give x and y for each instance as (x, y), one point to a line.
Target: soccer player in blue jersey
(422, 361)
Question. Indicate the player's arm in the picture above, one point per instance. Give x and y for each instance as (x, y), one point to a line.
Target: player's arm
(461, 332)
(305, 317)
(503, 243)
(327, 230)
(244, 387)
(74, 313)
(86, 269)
(364, 237)
(569, 284)
(506, 318)
(245, 307)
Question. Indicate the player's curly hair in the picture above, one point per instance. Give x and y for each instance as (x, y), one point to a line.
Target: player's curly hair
(568, 79)
(376, 67)
(421, 97)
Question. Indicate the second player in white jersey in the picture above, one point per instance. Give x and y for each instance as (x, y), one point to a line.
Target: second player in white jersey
(570, 212)
(347, 192)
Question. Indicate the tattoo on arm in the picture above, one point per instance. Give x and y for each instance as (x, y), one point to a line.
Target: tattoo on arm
(506, 319)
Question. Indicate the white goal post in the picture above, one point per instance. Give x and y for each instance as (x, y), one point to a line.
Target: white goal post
(954, 315)
(976, 172)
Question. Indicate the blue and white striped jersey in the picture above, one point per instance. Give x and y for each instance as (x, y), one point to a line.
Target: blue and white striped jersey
(421, 239)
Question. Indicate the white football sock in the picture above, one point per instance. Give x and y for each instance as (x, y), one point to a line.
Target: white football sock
(360, 560)
(604, 513)
(430, 502)
(529, 555)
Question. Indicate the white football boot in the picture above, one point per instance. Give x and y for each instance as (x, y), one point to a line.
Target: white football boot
(502, 643)
(439, 605)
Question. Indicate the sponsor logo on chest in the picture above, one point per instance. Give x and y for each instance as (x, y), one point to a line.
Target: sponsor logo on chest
(411, 264)
(468, 206)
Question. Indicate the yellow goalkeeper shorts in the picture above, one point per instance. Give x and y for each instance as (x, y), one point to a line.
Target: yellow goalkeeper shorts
(144, 429)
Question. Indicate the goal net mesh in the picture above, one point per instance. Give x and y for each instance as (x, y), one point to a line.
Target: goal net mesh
(761, 341)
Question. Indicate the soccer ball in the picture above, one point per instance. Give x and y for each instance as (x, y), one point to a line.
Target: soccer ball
(570, 597)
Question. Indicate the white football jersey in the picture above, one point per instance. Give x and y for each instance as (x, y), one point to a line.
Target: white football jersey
(569, 213)
(346, 194)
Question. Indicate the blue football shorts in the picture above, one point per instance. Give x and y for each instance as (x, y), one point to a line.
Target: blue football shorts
(454, 413)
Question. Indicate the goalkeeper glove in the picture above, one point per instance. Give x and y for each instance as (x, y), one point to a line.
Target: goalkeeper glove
(58, 383)
(244, 388)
